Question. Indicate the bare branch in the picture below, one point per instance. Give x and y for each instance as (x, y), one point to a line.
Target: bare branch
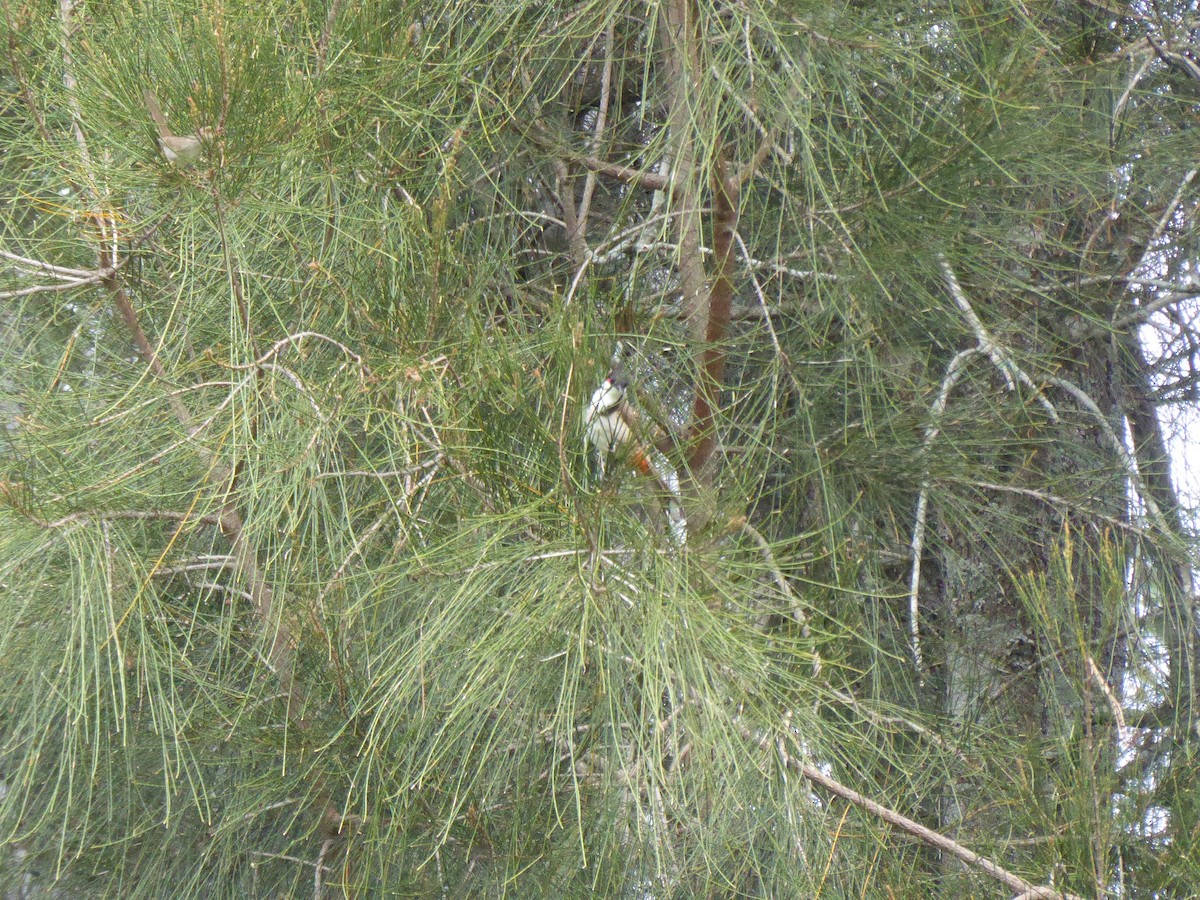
(917, 546)
(51, 269)
(928, 835)
(652, 181)
(999, 356)
(589, 184)
(297, 338)
(1014, 882)
(1098, 679)
(435, 460)
(54, 288)
(1177, 60)
(985, 345)
(326, 34)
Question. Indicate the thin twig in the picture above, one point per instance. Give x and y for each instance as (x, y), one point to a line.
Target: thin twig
(232, 591)
(584, 265)
(652, 181)
(766, 316)
(768, 136)
(1146, 310)
(355, 550)
(319, 868)
(435, 443)
(18, 73)
(1119, 106)
(1101, 682)
(885, 719)
(115, 417)
(53, 288)
(49, 268)
(279, 804)
(1169, 213)
(1131, 469)
(297, 338)
(435, 460)
(284, 857)
(197, 564)
(1055, 500)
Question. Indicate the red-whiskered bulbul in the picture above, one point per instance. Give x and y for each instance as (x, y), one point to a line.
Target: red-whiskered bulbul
(612, 425)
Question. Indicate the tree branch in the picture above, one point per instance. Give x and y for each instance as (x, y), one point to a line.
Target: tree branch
(811, 773)
(220, 475)
(711, 378)
(985, 345)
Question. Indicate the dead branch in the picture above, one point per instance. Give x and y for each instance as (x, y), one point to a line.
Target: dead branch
(927, 835)
(767, 741)
(1012, 373)
(589, 184)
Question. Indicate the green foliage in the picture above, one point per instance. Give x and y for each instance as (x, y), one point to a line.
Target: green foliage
(328, 597)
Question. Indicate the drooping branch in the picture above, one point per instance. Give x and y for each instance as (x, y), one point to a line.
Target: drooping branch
(985, 345)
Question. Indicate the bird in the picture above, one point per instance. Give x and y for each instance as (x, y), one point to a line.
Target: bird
(612, 425)
(608, 422)
(177, 148)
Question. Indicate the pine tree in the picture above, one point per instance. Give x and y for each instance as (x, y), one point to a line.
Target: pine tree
(310, 583)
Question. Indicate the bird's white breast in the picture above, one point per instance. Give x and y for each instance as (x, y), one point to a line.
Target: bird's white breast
(603, 424)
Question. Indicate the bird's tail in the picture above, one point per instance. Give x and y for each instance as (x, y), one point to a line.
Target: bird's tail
(164, 130)
(668, 479)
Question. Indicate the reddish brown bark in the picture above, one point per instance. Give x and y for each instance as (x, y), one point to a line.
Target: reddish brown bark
(726, 189)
